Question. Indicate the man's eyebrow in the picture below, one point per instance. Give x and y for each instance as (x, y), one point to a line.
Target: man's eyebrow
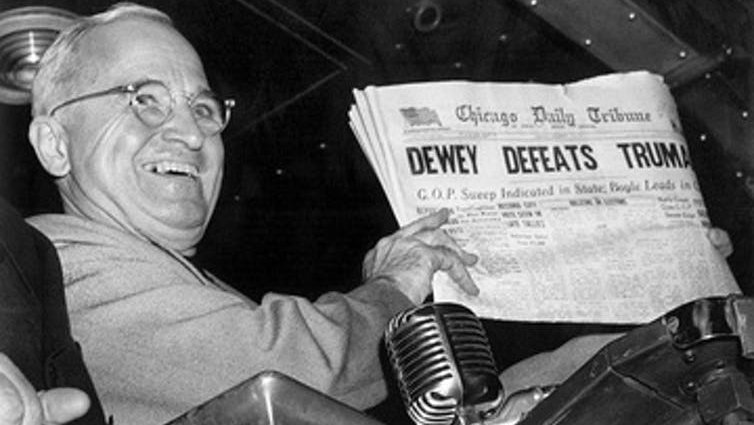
(199, 88)
(144, 80)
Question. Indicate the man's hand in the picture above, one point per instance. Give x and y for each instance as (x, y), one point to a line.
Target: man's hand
(518, 404)
(720, 240)
(21, 405)
(409, 258)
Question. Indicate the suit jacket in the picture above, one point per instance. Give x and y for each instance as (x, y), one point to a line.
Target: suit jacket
(162, 336)
(35, 330)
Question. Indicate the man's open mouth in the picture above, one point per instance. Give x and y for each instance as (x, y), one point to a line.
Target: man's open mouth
(167, 168)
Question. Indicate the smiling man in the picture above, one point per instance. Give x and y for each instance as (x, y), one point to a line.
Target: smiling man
(125, 122)
(154, 172)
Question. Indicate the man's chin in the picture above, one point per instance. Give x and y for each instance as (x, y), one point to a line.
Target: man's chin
(184, 241)
(178, 233)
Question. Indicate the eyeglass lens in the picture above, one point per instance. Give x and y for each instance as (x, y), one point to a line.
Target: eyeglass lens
(154, 103)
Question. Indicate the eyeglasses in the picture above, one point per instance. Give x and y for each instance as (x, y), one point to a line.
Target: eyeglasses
(153, 103)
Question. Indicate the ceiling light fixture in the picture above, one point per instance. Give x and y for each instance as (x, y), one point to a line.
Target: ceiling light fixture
(25, 33)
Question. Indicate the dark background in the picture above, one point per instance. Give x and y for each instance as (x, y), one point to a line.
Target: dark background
(300, 204)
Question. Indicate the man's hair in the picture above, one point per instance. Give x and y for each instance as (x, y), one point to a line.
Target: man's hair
(62, 69)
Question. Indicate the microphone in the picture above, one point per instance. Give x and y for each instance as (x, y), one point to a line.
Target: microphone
(443, 362)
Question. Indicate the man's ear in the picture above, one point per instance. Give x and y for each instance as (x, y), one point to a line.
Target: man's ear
(50, 142)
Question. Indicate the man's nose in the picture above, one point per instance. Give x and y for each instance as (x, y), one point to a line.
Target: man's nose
(182, 127)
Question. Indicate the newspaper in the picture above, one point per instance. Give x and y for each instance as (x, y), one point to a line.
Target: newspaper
(579, 199)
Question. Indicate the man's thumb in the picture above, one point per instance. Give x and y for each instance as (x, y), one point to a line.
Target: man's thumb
(61, 405)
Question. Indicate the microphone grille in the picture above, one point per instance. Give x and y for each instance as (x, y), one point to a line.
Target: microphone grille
(443, 362)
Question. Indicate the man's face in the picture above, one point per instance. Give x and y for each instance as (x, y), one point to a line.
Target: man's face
(159, 183)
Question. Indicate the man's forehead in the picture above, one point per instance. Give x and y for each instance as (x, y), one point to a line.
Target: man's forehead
(137, 36)
(134, 49)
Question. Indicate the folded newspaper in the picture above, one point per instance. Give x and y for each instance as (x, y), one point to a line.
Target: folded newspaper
(580, 200)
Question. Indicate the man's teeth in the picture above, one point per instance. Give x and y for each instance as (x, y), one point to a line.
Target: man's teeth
(178, 168)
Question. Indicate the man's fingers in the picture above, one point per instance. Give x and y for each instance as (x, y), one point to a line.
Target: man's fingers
(452, 264)
(61, 405)
(11, 403)
(429, 222)
(415, 252)
(15, 385)
(367, 265)
(21, 405)
(439, 237)
(518, 404)
(720, 240)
